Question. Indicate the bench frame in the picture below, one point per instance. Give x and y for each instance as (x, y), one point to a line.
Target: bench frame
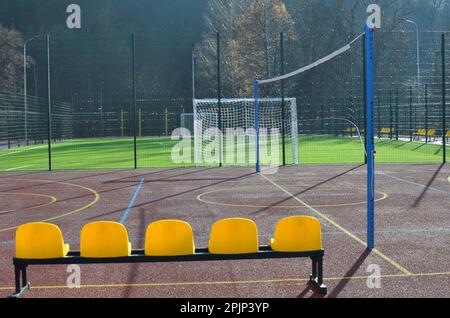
(138, 256)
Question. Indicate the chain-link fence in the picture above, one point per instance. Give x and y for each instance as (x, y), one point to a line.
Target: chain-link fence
(115, 100)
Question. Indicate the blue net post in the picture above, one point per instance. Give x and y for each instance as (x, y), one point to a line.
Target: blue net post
(256, 94)
(370, 139)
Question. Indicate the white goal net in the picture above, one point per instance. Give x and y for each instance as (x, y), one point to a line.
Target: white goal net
(236, 131)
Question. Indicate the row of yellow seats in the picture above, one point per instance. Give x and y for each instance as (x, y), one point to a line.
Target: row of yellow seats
(167, 238)
(423, 132)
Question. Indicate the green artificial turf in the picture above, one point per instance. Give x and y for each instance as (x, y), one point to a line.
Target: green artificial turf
(156, 153)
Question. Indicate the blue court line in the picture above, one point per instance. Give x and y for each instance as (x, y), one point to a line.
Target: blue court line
(136, 193)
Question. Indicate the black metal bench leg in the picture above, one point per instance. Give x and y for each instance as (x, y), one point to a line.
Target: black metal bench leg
(17, 277)
(21, 286)
(314, 270)
(25, 278)
(317, 276)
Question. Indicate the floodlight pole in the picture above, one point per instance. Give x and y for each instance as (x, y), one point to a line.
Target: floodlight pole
(25, 84)
(418, 53)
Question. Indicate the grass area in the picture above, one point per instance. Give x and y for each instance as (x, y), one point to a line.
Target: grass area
(156, 153)
(329, 150)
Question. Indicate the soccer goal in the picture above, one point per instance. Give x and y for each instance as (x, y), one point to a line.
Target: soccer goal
(231, 124)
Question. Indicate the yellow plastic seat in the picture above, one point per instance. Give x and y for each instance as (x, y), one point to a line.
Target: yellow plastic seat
(104, 240)
(169, 238)
(234, 236)
(297, 234)
(40, 241)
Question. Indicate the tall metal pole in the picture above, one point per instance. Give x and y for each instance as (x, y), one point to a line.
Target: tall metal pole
(49, 109)
(418, 54)
(444, 113)
(426, 113)
(25, 85)
(396, 115)
(391, 115)
(256, 97)
(219, 99)
(365, 93)
(25, 90)
(133, 53)
(370, 143)
(283, 105)
(193, 74)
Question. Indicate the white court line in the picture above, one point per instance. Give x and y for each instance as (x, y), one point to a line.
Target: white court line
(14, 152)
(414, 183)
(17, 168)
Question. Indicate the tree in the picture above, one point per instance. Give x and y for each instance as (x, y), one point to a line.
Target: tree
(249, 32)
(255, 48)
(11, 60)
(220, 16)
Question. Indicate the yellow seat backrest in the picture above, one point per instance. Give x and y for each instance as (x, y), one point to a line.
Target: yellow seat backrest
(432, 132)
(297, 234)
(169, 238)
(448, 133)
(234, 236)
(103, 240)
(40, 241)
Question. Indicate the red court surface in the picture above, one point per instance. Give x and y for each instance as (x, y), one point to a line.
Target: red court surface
(412, 229)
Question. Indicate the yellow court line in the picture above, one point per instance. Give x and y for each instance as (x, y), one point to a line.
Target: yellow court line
(200, 198)
(239, 282)
(52, 200)
(95, 193)
(329, 220)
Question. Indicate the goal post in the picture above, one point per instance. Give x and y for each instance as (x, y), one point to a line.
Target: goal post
(246, 131)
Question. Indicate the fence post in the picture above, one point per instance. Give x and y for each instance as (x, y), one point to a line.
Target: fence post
(283, 111)
(49, 108)
(391, 115)
(121, 123)
(219, 99)
(396, 115)
(444, 113)
(426, 113)
(8, 125)
(410, 114)
(140, 122)
(166, 121)
(133, 48)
